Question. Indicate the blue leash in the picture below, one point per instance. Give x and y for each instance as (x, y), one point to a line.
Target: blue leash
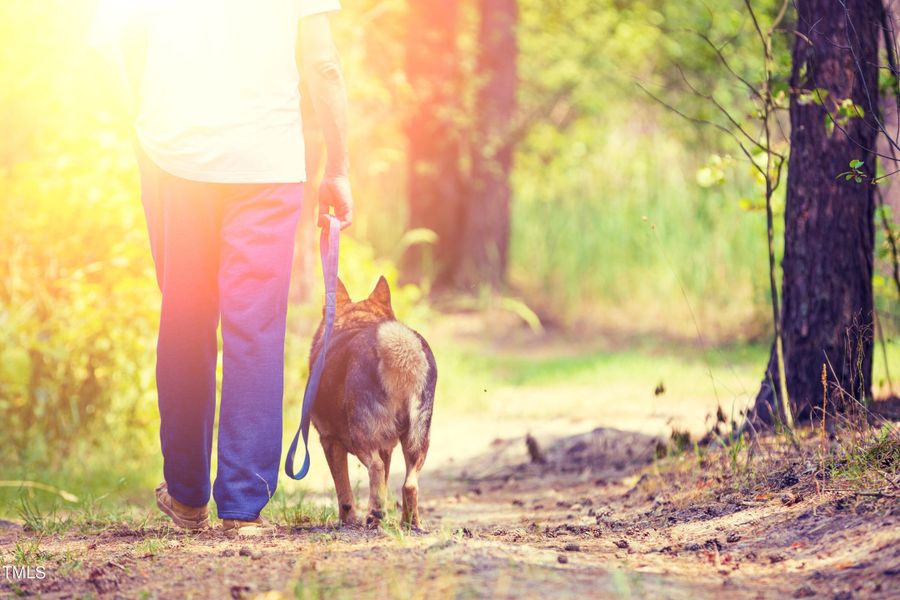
(328, 251)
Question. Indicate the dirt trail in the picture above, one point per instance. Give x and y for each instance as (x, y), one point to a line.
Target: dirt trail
(593, 520)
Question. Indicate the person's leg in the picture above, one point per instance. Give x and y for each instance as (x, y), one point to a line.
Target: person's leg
(183, 220)
(257, 249)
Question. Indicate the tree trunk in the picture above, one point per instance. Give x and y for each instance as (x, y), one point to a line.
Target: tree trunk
(829, 222)
(483, 258)
(434, 184)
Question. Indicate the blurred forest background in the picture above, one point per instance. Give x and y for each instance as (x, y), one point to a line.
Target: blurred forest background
(505, 157)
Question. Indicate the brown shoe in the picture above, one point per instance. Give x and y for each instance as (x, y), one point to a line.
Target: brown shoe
(184, 516)
(257, 527)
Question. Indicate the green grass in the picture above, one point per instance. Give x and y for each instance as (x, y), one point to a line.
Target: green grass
(624, 232)
(477, 375)
(297, 509)
(28, 553)
(876, 458)
(149, 547)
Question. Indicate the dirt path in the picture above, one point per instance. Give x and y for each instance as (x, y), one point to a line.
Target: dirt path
(594, 520)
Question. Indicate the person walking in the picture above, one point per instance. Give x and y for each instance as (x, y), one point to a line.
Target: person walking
(220, 148)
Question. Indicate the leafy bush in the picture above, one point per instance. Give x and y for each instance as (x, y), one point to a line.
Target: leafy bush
(78, 298)
(77, 308)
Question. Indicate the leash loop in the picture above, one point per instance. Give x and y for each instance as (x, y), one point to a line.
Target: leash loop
(328, 252)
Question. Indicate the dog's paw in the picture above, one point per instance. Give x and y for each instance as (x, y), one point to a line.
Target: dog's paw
(413, 525)
(348, 516)
(416, 529)
(374, 518)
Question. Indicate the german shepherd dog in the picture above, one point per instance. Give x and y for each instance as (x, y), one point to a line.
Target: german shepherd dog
(377, 389)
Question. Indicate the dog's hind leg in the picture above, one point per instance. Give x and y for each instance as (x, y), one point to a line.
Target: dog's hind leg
(414, 454)
(377, 488)
(386, 459)
(336, 455)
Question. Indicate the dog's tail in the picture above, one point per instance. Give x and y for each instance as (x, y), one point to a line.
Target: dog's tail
(402, 362)
(408, 374)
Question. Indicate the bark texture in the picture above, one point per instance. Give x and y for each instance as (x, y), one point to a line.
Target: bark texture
(435, 183)
(829, 222)
(486, 218)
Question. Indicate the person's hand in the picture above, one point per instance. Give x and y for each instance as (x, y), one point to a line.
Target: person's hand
(334, 193)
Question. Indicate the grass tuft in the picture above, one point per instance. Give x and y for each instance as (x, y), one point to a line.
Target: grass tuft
(875, 458)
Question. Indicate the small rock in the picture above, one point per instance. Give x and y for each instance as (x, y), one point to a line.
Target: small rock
(228, 552)
(804, 592)
(790, 499)
(572, 548)
(863, 508)
(621, 544)
(517, 502)
(712, 544)
(732, 537)
(562, 559)
(245, 551)
(692, 547)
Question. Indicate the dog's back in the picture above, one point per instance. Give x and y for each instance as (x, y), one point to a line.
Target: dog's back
(377, 390)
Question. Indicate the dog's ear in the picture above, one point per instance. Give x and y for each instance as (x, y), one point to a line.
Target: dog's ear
(382, 293)
(342, 296)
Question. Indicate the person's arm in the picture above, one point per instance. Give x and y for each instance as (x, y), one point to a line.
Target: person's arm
(321, 69)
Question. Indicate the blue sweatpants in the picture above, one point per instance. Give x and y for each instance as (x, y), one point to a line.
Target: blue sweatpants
(221, 250)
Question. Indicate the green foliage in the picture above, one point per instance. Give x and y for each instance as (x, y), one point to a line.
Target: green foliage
(77, 303)
(856, 172)
(634, 239)
(608, 225)
(815, 96)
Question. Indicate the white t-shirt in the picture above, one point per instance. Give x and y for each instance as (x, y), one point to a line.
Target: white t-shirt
(219, 100)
